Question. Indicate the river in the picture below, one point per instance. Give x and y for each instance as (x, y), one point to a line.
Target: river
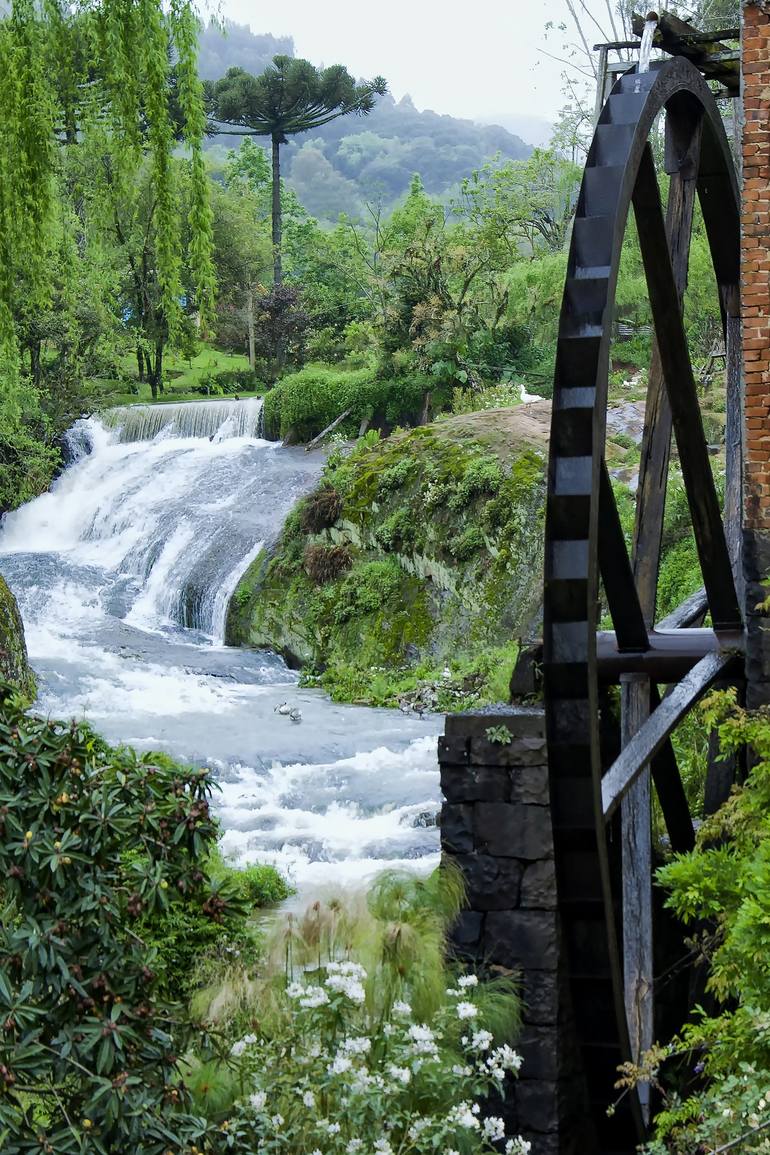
(123, 571)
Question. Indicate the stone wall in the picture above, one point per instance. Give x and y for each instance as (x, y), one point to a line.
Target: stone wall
(496, 825)
(755, 310)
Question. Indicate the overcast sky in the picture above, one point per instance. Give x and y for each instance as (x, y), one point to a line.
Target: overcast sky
(476, 59)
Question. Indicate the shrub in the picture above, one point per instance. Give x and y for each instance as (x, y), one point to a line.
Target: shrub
(92, 840)
(362, 1038)
(321, 509)
(324, 563)
(186, 940)
(722, 890)
(307, 401)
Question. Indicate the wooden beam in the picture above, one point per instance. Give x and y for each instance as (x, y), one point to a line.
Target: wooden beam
(648, 740)
(617, 576)
(670, 791)
(683, 135)
(688, 428)
(636, 845)
(690, 612)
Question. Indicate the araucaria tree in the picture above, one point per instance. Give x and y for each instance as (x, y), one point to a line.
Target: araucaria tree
(289, 97)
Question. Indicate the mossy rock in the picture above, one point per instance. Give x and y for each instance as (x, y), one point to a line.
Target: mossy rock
(14, 664)
(442, 527)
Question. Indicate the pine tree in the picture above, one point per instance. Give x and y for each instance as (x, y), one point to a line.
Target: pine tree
(291, 96)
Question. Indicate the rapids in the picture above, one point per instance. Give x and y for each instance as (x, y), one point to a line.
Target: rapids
(123, 572)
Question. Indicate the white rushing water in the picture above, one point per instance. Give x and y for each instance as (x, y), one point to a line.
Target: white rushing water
(645, 50)
(123, 572)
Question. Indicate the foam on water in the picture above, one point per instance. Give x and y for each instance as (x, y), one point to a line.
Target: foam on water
(124, 571)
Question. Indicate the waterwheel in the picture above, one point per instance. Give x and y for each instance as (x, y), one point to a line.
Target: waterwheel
(609, 749)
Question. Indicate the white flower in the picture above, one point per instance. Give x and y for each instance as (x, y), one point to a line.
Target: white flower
(314, 997)
(388, 1030)
(453, 992)
(505, 1058)
(295, 990)
(361, 1080)
(347, 985)
(463, 1116)
(400, 1074)
(518, 1146)
(481, 1041)
(340, 1065)
(333, 1128)
(239, 1047)
(401, 1008)
(383, 1147)
(277, 1121)
(353, 1146)
(258, 1100)
(308, 1099)
(357, 1046)
(467, 1011)
(417, 1127)
(423, 1040)
(316, 1152)
(467, 981)
(351, 969)
(461, 1072)
(493, 1128)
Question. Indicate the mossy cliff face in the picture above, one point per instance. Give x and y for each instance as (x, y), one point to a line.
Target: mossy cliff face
(417, 552)
(14, 666)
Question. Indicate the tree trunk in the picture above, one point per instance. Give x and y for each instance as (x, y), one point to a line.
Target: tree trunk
(140, 362)
(34, 362)
(250, 322)
(159, 343)
(155, 370)
(277, 270)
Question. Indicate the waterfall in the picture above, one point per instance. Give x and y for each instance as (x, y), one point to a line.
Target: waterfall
(218, 419)
(123, 572)
(645, 48)
(165, 506)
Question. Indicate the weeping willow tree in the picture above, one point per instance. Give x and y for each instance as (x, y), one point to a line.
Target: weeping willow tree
(123, 70)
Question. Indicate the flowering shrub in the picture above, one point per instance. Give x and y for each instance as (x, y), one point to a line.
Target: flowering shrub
(342, 1077)
(722, 888)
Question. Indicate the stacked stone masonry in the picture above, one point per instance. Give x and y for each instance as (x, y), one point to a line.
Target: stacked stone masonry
(755, 312)
(496, 825)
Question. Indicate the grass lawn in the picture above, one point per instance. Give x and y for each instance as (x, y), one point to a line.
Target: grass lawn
(185, 375)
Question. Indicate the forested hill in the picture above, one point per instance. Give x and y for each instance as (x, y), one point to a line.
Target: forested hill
(355, 160)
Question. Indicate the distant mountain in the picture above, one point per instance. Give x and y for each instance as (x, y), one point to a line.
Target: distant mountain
(357, 159)
(238, 47)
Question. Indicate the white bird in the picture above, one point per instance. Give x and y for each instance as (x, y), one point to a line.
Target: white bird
(527, 396)
(295, 714)
(284, 708)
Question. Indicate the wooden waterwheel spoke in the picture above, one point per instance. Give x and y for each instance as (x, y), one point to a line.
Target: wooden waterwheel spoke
(683, 137)
(617, 575)
(650, 738)
(670, 790)
(690, 439)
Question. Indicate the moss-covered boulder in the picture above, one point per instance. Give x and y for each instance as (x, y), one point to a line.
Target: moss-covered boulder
(14, 665)
(416, 553)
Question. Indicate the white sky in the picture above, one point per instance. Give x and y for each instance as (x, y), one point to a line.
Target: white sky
(478, 60)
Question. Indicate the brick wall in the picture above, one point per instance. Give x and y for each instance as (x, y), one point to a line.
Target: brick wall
(755, 313)
(755, 258)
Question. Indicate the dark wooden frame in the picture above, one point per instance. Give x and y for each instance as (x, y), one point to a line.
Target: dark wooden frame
(601, 766)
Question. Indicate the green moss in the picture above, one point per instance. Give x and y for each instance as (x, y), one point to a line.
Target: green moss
(14, 665)
(443, 525)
